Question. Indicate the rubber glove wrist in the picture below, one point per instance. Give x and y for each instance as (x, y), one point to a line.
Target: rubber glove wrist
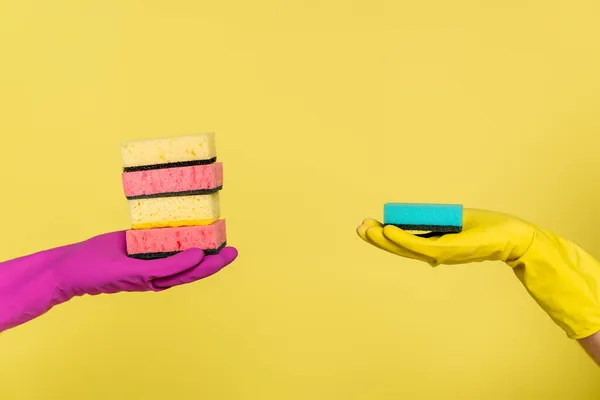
(564, 279)
(29, 287)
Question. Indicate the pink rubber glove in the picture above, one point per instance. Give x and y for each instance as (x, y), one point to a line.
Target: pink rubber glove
(31, 285)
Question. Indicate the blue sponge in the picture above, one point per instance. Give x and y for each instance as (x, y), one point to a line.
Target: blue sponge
(434, 218)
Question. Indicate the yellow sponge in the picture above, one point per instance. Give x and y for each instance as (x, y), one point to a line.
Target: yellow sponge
(169, 152)
(174, 211)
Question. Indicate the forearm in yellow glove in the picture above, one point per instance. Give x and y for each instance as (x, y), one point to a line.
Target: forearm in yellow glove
(560, 276)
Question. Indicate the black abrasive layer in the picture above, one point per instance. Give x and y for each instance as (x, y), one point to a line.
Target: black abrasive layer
(176, 194)
(154, 256)
(170, 165)
(430, 228)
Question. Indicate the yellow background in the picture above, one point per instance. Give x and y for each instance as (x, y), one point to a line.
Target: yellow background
(323, 112)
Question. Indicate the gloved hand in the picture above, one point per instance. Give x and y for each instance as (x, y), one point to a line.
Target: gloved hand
(559, 275)
(31, 285)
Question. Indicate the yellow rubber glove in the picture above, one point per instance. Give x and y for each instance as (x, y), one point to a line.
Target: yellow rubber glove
(559, 275)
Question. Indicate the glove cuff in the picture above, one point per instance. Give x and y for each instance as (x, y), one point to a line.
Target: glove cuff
(564, 280)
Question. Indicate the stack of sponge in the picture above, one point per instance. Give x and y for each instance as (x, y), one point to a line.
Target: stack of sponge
(172, 186)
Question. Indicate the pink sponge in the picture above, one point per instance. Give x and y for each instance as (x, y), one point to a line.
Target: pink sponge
(164, 242)
(192, 180)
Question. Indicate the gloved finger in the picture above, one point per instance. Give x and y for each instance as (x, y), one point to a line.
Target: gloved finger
(377, 241)
(210, 265)
(168, 266)
(387, 245)
(362, 232)
(372, 222)
(375, 235)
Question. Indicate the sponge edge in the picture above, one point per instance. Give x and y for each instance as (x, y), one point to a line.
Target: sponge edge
(424, 219)
(163, 242)
(165, 152)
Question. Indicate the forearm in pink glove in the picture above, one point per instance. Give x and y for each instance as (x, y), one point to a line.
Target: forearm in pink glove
(31, 285)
